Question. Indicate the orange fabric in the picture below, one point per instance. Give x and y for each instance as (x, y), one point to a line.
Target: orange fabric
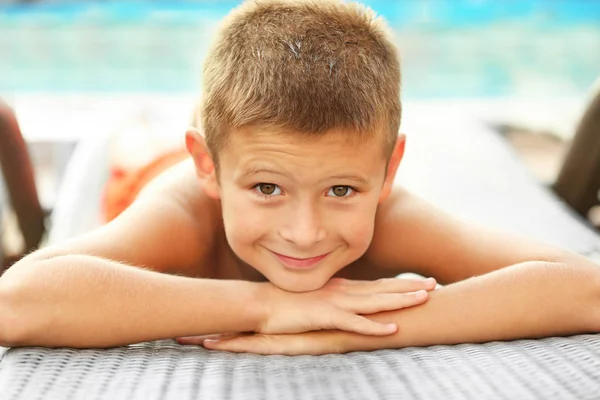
(123, 186)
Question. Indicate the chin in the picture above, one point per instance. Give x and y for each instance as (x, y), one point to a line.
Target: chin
(298, 285)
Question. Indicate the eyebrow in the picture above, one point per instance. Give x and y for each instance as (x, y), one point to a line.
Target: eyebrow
(355, 178)
(255, 171)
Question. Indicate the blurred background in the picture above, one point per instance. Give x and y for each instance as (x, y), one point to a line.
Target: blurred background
(450, 48)
(72, 69)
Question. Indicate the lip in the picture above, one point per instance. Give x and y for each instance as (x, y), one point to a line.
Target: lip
(300, 263)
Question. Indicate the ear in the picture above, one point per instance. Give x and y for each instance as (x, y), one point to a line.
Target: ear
(393, 164)
(205, 166)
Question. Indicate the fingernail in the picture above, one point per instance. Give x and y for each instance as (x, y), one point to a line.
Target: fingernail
(430, 280)
(421, 294)
(210, 341)
(391, 327)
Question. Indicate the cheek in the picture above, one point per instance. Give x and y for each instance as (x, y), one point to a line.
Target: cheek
(243, 221)
(357, 227)
(359, 234)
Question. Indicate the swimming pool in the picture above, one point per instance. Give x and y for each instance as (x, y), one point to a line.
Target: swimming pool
(450, 48)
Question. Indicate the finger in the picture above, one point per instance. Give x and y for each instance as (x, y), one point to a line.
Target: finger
(370, 304)
(391, 285)
(288, 345)
(198, 340)
(358, 324)
(191, 340)
(257, 344)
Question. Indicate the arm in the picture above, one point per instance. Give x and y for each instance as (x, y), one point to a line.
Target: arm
(87, 292)
(85, 301)
(499, 287)
(527, 300)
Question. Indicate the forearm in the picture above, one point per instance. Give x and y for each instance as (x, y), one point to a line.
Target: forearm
(85, 301)
(528, 300)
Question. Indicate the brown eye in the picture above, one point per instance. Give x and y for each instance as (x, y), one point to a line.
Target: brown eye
(340, 191)
(267, 189)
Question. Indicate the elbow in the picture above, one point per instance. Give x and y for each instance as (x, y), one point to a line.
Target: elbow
(588, 286)
(15, 323)
(12, 328)
(582, 276)
(595, 308)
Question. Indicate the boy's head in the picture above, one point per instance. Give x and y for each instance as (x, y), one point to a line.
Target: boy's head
(300, 115)
(305, 66)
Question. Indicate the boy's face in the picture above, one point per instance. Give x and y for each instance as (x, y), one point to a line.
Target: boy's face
(300, 209)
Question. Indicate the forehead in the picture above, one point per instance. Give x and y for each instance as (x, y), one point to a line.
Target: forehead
(334, 141)
(302, 158)
(250, 145)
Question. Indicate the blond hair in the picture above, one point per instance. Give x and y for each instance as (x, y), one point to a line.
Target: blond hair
(307, 66)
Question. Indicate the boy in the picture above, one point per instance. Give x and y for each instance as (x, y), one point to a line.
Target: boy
(285, 218)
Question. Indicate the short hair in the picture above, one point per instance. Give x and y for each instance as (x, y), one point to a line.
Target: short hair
(308, 66)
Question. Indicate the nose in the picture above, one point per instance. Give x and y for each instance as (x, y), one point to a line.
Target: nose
(303, 226)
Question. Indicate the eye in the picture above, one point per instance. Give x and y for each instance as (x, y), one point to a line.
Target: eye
(268, 189)
(340, 191)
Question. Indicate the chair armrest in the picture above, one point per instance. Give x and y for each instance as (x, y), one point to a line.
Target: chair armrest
(1, 228)
(19, 178)
(579, 179)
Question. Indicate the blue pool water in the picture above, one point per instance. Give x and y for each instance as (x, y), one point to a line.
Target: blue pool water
(450, 48)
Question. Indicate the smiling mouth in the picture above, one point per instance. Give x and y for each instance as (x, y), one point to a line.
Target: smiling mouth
(299, 263)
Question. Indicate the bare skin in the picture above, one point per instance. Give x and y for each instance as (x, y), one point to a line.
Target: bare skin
(192, 270)
(192, 283)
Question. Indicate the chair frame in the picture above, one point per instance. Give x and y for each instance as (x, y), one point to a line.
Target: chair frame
(578, 181)
(19, 177)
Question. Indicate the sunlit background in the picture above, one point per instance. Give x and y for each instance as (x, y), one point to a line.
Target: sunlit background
(73, 69)
(450, 48)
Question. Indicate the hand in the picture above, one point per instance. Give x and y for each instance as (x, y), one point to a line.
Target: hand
(308, 343)
(338, 305)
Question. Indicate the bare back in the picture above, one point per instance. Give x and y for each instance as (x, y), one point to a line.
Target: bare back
(171, 227)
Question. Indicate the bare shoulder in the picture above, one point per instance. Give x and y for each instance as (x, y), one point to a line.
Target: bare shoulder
(411, 235)
(171, 227)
